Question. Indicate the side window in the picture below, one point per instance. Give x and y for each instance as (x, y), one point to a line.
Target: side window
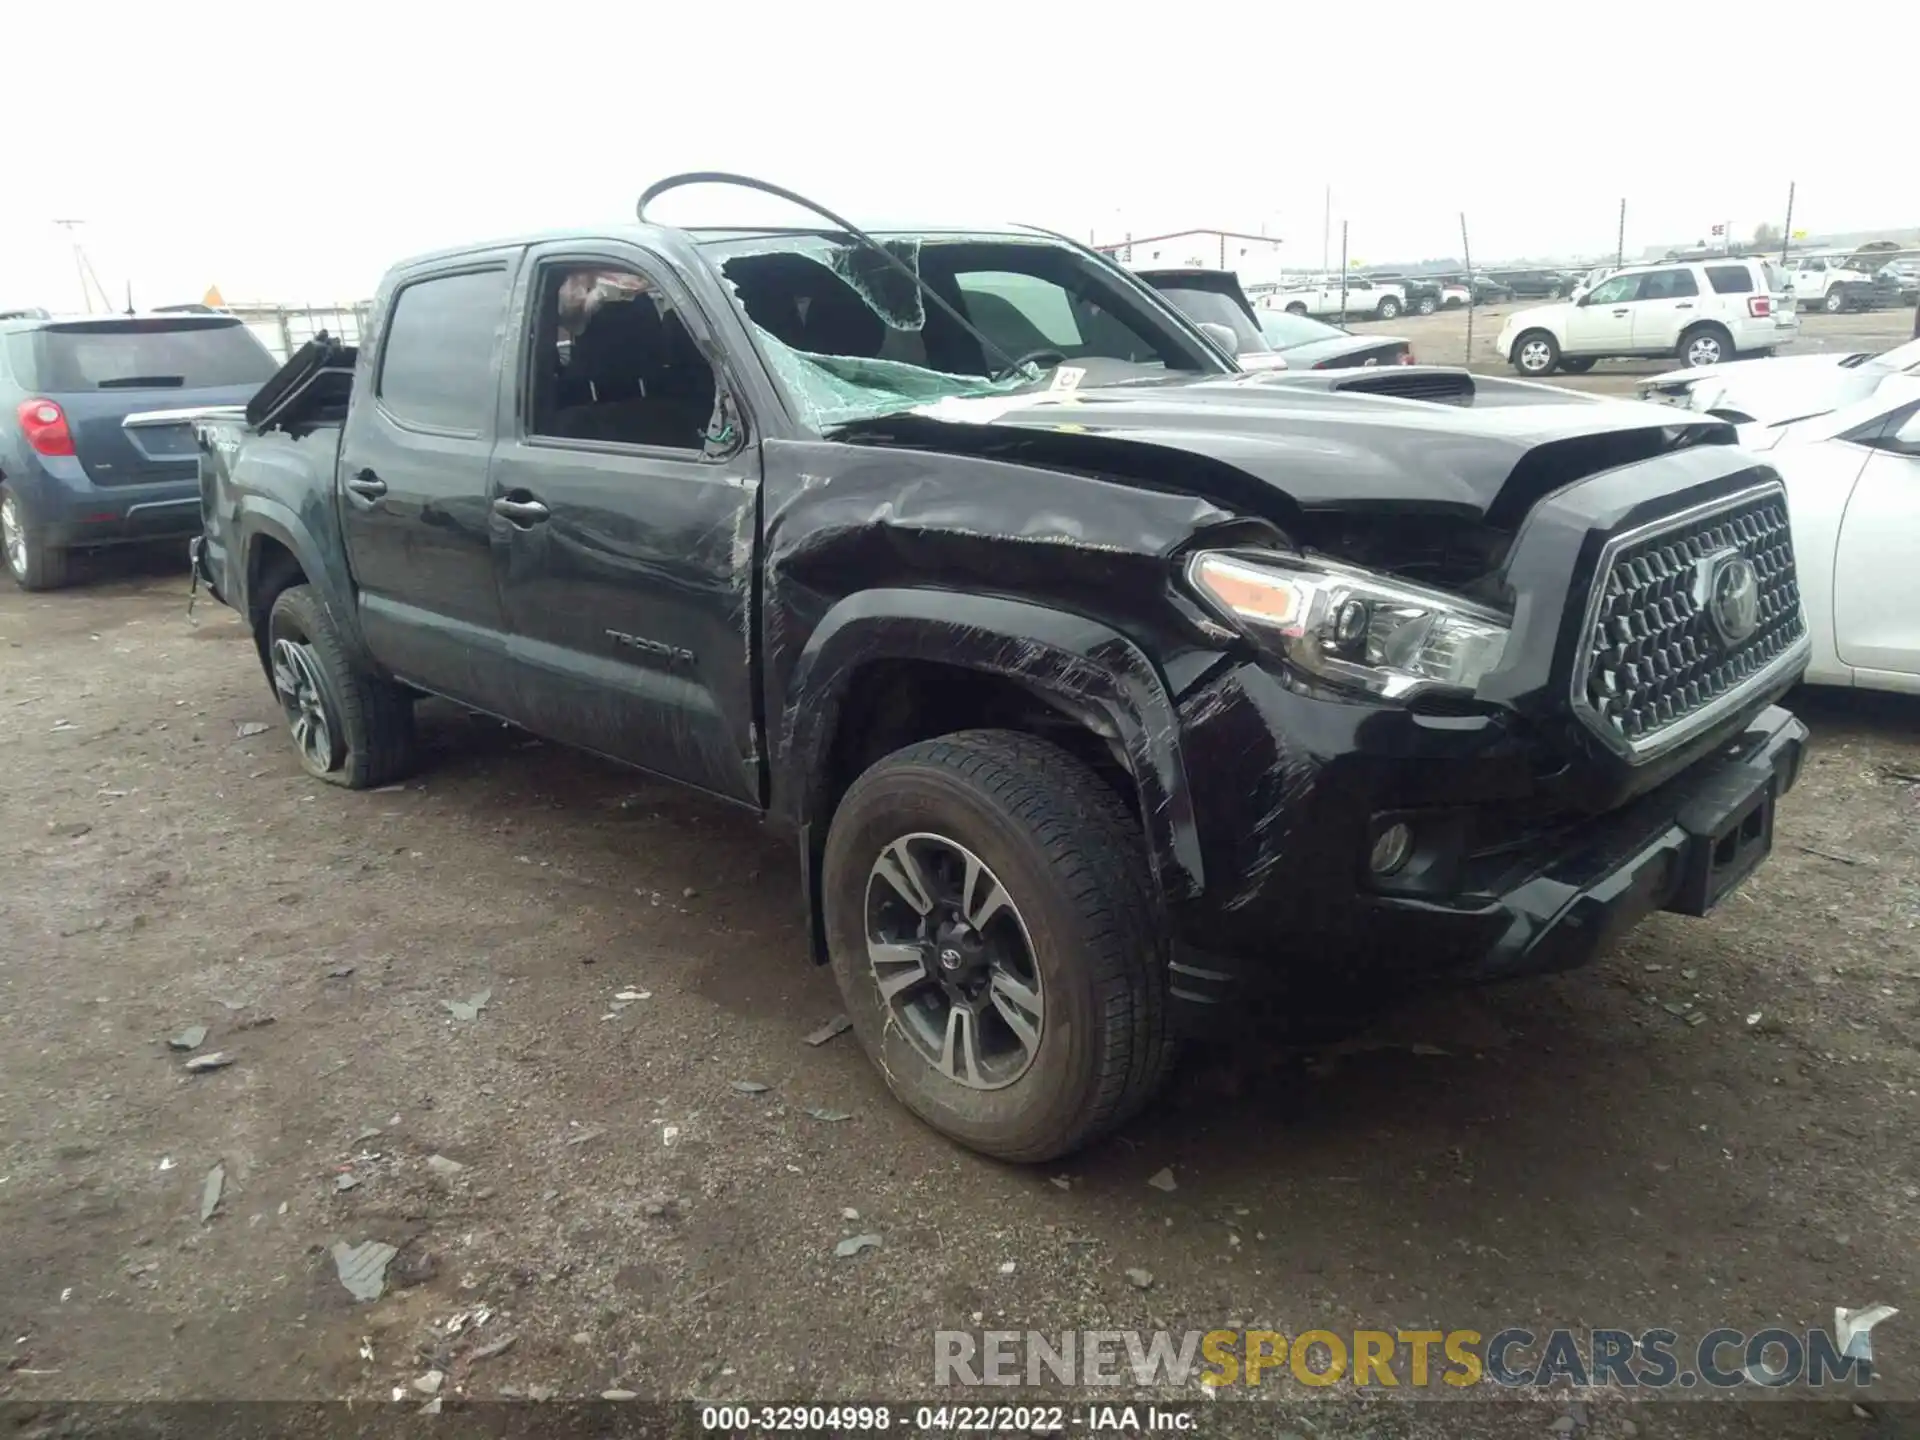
(1616, 291)
(1022, 313)
(1730, 279)
(436, 365)
(614, 362)
(1668, 285)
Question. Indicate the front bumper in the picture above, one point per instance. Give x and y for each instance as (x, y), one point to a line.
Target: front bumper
(1504, 884)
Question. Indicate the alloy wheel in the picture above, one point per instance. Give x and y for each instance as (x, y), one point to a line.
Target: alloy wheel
(14, 534)
(296, 681)
(1535, 356)
(953, 962)
(1703, 350)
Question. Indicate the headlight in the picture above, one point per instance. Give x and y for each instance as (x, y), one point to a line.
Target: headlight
(1352, 628)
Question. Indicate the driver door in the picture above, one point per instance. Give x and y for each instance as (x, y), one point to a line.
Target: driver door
(1604, 324)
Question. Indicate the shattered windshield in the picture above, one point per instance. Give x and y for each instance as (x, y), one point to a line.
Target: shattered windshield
(849, 337)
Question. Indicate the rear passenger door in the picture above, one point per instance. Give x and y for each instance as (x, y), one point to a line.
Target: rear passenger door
(414, 463)
(1669, 302)
(624, 517)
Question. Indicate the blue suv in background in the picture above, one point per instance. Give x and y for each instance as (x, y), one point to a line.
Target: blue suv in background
(70, 477)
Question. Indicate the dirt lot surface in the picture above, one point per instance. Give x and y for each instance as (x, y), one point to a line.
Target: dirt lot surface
(634, 1218)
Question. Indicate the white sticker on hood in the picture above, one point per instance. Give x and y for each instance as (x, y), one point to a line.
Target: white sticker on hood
(972, 409)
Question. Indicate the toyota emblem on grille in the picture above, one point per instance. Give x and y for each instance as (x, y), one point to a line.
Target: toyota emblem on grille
(1728, 588)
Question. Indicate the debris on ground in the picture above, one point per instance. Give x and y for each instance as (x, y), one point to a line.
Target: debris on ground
(619, 1395)
(429, 1383)
(854, 1244)
(72, 830)
(340, 972)
(498, 1347)
(343, 1183)
(1006, 1267)
(750, 1087)
(849, 1213)
(218, 1060)
(831, 1117)
(470, 1008)
(627, 997)
(191, 1038)
(592, 1132)
(442, 1166)
(210, 1191)
(362, 1268)
(247, 729)
(669, 1134)
(1062, 1182)
(1162, 1179)
(838, 1025)
(1141, 1279)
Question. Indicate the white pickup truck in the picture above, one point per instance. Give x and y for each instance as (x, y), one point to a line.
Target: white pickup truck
(1320, 296)
(1825, 282)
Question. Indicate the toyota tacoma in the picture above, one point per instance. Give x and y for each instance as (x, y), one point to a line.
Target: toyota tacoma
(1111, 695)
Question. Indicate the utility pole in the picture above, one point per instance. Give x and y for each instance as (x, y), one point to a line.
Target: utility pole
(1786, 230)
(1620, 238)
(79, 259)
(1326, 229)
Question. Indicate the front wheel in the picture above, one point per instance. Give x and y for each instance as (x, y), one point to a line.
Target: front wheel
(991, 927)
(31, 561)
(1835, 302)
(1296, 308)
(1535, 353)
(1426, 305)
(350, 727)
(1389, 308)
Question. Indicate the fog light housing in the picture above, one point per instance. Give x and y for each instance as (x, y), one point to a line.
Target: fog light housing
(1391, 849)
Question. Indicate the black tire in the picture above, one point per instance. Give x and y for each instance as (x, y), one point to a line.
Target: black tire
(1705, 345)
(1425, 305)
(369, 737)
(1072, 860)
(1389, 309)
(1835, 301)
(1296, 308)
(1577, 365)
(1534, 343)
(30, 560)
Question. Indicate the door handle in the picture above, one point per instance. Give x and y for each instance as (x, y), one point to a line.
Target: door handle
(521, 512)
(1620, 312)
(367, 485)
(1688, 305)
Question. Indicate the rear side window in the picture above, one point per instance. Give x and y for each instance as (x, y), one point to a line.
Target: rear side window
(138, 354)
(1668, 285)
(1730, 279)
(436, 369)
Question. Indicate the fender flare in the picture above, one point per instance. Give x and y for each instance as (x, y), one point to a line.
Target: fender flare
(1083, 668)
(263, 517)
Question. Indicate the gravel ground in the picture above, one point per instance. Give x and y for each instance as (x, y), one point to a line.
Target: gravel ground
(635, 1218)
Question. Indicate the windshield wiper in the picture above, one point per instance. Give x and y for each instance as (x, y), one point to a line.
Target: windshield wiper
(142, 382)
(1008, 364)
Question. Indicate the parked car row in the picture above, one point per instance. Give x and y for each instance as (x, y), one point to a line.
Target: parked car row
(1077, 663)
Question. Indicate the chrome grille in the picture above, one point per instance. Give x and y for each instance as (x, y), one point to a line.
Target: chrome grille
(1665, 654)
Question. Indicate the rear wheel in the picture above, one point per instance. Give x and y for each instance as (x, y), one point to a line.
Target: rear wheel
(31, 561)
(1576, 365)
(1535, 353)
(1705, 345)
(991, 926)
(1389, 308)
(350, 727)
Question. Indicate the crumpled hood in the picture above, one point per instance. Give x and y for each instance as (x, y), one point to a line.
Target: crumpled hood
(1770, 390)
(1320, 438)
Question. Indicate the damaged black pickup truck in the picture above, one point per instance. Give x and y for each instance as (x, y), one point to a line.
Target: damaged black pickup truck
(1112, 695)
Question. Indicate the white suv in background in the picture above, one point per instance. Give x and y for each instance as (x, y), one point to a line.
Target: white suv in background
(1705, 312)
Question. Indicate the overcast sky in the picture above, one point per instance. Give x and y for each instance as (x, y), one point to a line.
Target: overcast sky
(290, 152)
